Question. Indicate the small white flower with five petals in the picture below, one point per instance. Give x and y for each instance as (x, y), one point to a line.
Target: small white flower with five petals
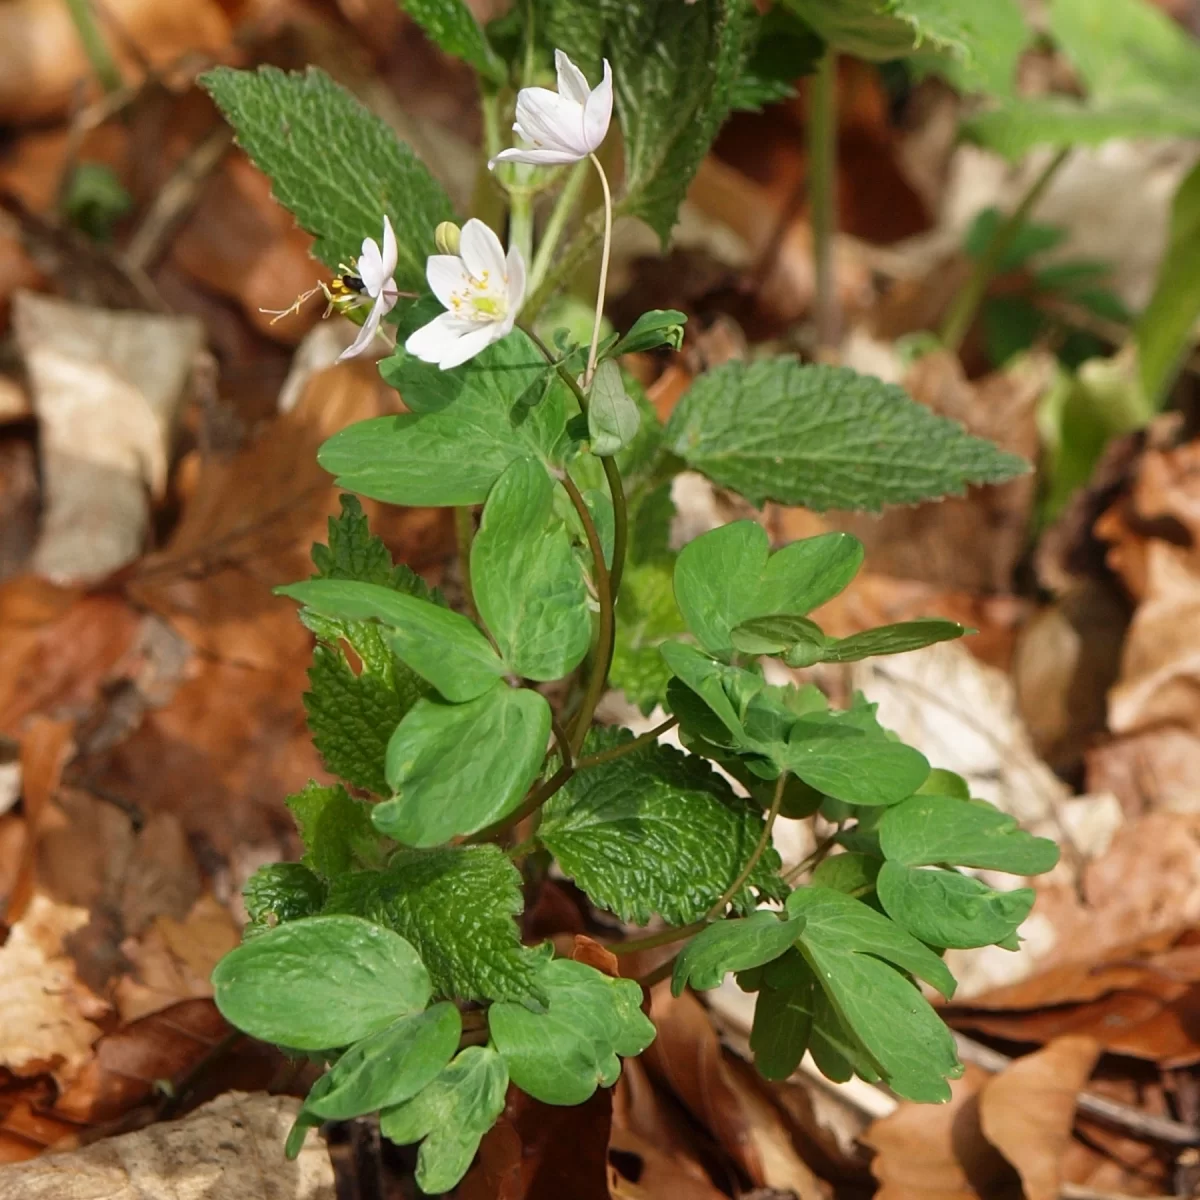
(563, 126)
(482, 292)
(376, 269)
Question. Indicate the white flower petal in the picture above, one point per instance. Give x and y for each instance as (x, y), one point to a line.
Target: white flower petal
(481, 251)
(446, 275)
(370, 267)
(550, 121)
(597, 112)
(515, 266)
(470, 344)
(572, 82)
(366, 334)
(438, 337)
(538, 158)
(391, 252)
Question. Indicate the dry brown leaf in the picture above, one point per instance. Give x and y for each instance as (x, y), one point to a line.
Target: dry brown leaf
(231, 1149)
(594, 954)
(1028, 1111)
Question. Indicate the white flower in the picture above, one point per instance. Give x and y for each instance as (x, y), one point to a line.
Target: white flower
(376, 269)
(563, 126)
(482, 292)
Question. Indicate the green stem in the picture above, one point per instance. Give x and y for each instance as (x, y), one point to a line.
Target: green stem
(763, 842)
(663, 938)
(94, 45)
(520, 221)
(527, 808)
(966, 304)
(489, 107)
(602, 289)
(604, 641)
(564, 206)
(658, 974)
(578, 250)
(607, 756)
(815, 858)
(822, 188)
(464, 535)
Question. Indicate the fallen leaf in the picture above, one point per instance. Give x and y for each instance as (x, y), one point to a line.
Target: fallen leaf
(1028, 1111)
(588, 950)
(231, 1149)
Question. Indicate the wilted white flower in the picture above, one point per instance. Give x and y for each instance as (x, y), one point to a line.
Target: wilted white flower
(376, 270)
(563, 126)
(482, 292)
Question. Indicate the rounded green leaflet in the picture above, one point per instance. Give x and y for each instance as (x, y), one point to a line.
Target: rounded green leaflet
(736, 945)
(526, 580)
(320, 982)
(390, 1066)
(457, 768)
(452, 1114)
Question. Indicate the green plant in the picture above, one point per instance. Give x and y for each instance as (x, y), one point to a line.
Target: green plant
(392, 951)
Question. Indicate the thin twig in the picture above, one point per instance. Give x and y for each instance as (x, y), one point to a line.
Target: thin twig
(664, 937)
(764, 840)
(94, 45)
(604, 756)
(815, 858)
(602, 289)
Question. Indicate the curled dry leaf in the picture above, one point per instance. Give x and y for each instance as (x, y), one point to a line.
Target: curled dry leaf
(227, 1150)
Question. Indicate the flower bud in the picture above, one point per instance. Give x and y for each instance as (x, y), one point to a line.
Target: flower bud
(446, 237)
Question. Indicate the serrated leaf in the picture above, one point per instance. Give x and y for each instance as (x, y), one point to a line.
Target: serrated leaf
(457, 768)
(320, 983)
(526, 580)
(857, 955)
(647, 617)
(576, 27)
(451, 1115)
(336, 830)
(655, 831)
(464, 428)
(335, 166)
(390, 1066)
(279, 892)
(851, 441)
(613, 417)
(927, 830)
(671, 102)
(943, 908)
(801, 643)
(560, 1056)
(728, 576)
(441, 646)
(736, 945)
(785, 48)
(457, 906)
(452, 25)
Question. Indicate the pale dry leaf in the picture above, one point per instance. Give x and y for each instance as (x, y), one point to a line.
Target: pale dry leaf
(107, 388)
(48, 1013)
(229, 1149)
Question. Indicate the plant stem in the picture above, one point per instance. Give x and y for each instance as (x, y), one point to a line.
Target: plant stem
(605, 756)
(464, 535)
(658, 974)
(520, 220)
(822, 190)
(663, 938)
(564, 206)
(763, 842)
(602, 290)
(94, 45)
(815, 858)
(604, 641)
(575, 255)
(527, 808)
(966, 304)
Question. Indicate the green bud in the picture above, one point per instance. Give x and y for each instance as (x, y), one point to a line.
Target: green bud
(446, 237)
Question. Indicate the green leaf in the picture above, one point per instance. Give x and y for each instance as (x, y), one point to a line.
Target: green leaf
(1164, 330)
(658, 327)
(320, 982)
(441, 646)
(335, 166)
(726, 690)
(801, 643)
(457, 906)
(336, 830)
(576, 27)
(854, 874)
(647, 616)
(856, 955)
(851, 441)
(727, 576)
(672, 101)
(390, 1066)
(452, 25)
(452, 1114)
(526, 580)
(928, 830)
(655, 831)
(457, 768)
(943, 908)
(785, 48)
(732, 946)
(613, 417)
(783, 1019)
(279, 892)
(464, 429)
(94, 200)
(561, 1055)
